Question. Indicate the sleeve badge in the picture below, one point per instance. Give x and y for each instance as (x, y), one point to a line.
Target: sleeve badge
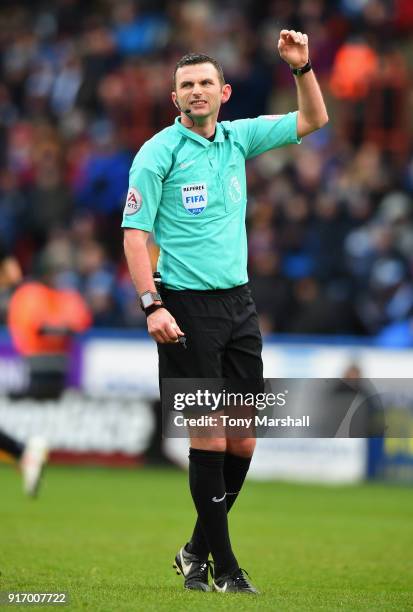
(133, 201)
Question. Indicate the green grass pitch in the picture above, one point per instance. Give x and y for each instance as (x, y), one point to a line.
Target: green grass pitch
(108, 538)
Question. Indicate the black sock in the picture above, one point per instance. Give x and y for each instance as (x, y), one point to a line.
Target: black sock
(206, 480)
(235, 471)
(11, 446)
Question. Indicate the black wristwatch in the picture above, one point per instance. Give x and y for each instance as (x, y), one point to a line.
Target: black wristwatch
(147, 302)
(300, 71)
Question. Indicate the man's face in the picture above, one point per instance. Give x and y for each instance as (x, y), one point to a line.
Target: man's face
(199, 89)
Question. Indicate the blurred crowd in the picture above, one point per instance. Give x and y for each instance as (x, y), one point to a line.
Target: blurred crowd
(84, 84)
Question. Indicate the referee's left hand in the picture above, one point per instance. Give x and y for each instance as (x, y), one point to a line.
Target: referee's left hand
(163, 328)
(293, 48)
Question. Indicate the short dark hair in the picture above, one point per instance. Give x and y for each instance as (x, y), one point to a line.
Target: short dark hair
(199, 58)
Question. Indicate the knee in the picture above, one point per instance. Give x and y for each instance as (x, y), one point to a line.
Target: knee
(242, 447)
(210, 444)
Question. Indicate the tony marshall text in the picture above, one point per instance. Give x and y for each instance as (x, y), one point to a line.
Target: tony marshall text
(226, 421)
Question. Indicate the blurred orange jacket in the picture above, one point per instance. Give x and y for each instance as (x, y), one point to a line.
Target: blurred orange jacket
(354, 66)
(34, 306)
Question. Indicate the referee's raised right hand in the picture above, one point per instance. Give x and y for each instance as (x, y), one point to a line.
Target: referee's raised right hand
(162, 327)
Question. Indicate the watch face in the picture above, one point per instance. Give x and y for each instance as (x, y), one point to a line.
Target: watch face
(147, 300)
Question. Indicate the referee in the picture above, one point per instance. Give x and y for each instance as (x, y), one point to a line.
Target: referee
(188, 186)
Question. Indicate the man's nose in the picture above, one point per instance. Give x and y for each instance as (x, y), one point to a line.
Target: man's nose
(197, 90)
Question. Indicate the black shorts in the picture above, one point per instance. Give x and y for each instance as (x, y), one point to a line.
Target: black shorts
(223, 336)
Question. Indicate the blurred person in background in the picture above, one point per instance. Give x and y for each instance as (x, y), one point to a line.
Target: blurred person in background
(356, 404)
(49, 200)
(32, 455)
(10, 277)
(42, 321)
(101, 180)
(97, 283)
(188, 185)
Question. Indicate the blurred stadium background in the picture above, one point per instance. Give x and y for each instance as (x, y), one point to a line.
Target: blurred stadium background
(82, 86)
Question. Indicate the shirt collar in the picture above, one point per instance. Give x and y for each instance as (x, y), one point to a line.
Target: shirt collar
(219, 134)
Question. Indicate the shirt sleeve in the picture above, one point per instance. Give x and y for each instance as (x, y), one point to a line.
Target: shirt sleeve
(144, 194)
(266, 132)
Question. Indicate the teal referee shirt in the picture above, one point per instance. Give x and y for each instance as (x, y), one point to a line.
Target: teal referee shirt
(191, 192)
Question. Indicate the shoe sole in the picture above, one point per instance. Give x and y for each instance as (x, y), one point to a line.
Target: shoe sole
(178, 567)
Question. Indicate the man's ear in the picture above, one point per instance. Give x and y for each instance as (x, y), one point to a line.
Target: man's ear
(175, 103)
(226, 93)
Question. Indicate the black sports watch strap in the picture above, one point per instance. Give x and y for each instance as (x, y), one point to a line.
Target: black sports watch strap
(148, 311)
(300, 71)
